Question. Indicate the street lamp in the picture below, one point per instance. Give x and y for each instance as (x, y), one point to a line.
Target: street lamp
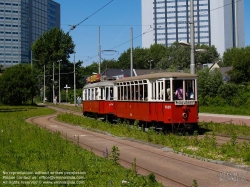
(53, 85)
(192, 62)
(66, 87)
(74, 80)
(59, 94)
(150, 61)
(201, 50)
(44, 84)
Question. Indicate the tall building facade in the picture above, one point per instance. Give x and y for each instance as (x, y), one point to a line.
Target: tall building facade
(21, 23)
(216, 22)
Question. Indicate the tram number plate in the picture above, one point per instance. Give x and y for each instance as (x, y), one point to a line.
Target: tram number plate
(168, 107)
(181, 102)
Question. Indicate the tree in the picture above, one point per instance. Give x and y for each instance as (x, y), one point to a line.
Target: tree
(241, 65)
(209, 82)
(18, 85)
(228, 56)
(179, 56)
(48, 49)
(52, 46)
(158, 52)
(210, 56)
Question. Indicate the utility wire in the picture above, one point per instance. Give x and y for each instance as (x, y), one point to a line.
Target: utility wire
(153, 29)
(74, 26)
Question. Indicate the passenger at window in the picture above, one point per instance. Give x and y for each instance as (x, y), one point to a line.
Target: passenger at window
(191, 93)
(179, 93)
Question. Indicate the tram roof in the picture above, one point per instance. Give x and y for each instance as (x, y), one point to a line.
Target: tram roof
(99, 84)
(158, 76)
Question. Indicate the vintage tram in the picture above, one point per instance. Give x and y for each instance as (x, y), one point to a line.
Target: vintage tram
(163, 100)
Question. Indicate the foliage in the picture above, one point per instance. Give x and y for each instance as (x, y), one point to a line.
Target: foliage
(195, 184)
(140, 59)
(240, 60)
(52, 46)
(209, 83)
(115, 153)
(18, 85)
(178, 55)
(210, 56)
(47, 50)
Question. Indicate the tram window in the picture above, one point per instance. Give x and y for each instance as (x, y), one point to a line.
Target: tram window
(137, 90)
(96, 94)
(119, 93)
(190, 85)
(101, 97)
(111, 94)
(160, 90)
(107, 93)
(145, 87)
(122, 92)
(132, 92)
(128, 93)
(140, 93)
(154, 91)
(167, 89)
(125, 92)
(88, 94)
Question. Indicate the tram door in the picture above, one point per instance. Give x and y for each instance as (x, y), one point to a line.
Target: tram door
(157, 103)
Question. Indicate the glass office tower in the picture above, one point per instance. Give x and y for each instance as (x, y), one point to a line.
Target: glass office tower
(217, 22)
(21, 23)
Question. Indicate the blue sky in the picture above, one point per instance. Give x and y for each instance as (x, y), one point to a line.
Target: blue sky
(115, 21)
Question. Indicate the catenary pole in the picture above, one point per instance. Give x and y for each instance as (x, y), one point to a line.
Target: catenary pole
(192, 60)
(131, 52)
(74, 80)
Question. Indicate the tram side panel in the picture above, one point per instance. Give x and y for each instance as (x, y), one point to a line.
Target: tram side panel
(156, 111)
(107, 107)
(169, 113)
(184, 113)
(132, 110)
(91, 106)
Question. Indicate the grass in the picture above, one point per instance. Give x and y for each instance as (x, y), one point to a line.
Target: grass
(244, 110)
(200, 148)
(226, 129)
(28, 148)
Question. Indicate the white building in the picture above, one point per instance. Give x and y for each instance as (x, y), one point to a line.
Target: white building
(217, 22)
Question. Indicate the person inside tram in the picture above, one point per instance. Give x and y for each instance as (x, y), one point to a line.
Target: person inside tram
(191, 93)
(179, 93)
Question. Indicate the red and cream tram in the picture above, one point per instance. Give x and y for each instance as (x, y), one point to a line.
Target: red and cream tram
(98, 98)
(163, 100)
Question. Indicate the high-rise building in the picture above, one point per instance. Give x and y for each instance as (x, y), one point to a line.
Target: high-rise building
(216, 22)
(21, 23)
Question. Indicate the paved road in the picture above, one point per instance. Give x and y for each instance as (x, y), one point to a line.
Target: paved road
(222, 118)
(157, 159)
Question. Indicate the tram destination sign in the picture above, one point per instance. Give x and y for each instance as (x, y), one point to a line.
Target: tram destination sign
(183, 102)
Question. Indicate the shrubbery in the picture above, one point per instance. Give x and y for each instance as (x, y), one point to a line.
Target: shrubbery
(213, 91)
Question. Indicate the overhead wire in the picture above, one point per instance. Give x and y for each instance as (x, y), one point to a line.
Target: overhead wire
(148, 31)
(74, 26)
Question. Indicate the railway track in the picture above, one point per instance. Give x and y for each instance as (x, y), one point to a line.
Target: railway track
(125, 161)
